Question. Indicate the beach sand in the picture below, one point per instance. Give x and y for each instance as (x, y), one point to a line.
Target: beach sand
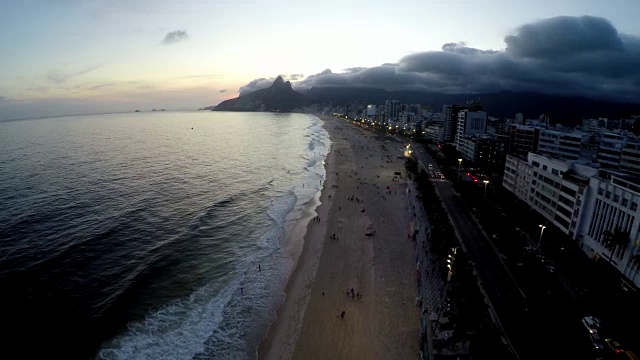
(384, 322)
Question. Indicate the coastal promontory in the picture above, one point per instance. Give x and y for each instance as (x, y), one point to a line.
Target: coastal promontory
(279, 97)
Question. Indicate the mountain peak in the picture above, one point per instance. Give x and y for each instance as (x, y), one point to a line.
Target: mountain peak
(279, 81)
(278, 97)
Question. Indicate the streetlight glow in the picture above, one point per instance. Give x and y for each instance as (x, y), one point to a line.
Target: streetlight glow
(486, 182)
(459, 163)
(542, 227)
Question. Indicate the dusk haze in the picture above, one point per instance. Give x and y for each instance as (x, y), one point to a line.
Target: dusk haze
(78, 57)
(271, 179)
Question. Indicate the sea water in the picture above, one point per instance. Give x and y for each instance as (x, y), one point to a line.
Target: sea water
(150, 235)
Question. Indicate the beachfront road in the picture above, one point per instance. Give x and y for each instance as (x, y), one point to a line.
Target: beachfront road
(507, 300)
(549, 327)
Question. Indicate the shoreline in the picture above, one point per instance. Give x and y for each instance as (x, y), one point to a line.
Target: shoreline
(281, 336)
(365, 204)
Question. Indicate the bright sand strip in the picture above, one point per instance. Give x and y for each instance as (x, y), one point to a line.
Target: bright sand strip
(384, 322)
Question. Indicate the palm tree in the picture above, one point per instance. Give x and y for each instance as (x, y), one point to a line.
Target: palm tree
(615, 240)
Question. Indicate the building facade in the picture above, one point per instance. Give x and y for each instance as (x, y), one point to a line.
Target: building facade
(596, 207)
(450, 115)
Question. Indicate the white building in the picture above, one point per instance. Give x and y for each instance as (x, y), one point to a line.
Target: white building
(470, 124)
(467, 148)
(562, 144)
(517, 177)
(613, 205)
(586, 203)
(617, 150)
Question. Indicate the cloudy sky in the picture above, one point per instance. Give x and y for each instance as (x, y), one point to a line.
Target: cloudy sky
(82, 56)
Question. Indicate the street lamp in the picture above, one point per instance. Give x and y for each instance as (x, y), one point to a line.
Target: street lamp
(459, 163)
(485, 188)
(542, 227)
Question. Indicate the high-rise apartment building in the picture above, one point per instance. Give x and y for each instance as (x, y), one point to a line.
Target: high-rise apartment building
(393, 109)
(450, 115)
(563, 145)
(585, 202)
(523, 139)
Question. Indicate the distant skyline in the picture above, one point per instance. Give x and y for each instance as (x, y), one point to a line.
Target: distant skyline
(72, 56)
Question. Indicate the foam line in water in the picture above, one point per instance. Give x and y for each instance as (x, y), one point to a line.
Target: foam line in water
(177, 331)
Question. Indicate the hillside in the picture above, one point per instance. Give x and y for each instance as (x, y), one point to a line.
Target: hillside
(562, 109)
(278, 97)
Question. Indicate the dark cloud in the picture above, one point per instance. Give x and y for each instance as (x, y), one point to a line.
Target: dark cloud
(256, 84)
(584, 56)
(564, 35)
(263, 83)
(222, 91)
(175, 36)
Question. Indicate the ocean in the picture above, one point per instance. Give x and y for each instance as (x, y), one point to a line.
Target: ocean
(158, 235)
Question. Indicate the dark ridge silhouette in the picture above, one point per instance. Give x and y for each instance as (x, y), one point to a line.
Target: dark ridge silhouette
(567, 110)
(278, 97)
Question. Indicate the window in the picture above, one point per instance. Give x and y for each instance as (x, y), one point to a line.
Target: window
(555, 172)
(568, 191)
(600, 191)
(616, 198)
(634, 206)
(608, 195)
(535, 163)
(625, 202)
(544, 167)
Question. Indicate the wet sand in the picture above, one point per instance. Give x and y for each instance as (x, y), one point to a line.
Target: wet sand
(383, 323)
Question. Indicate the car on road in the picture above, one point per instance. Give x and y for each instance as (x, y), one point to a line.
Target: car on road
(614, 346)
(591, 323)
(595, 340)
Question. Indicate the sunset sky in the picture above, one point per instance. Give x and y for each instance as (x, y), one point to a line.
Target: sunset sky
(72, 56)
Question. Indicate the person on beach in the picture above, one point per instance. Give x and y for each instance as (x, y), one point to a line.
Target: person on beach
(259, 269)
(342, 315)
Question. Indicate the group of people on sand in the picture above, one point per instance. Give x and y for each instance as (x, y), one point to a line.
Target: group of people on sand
(316, 219)
(354, 198)
(354, 294)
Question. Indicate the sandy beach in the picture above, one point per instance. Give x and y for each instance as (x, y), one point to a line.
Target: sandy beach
(366, 206)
